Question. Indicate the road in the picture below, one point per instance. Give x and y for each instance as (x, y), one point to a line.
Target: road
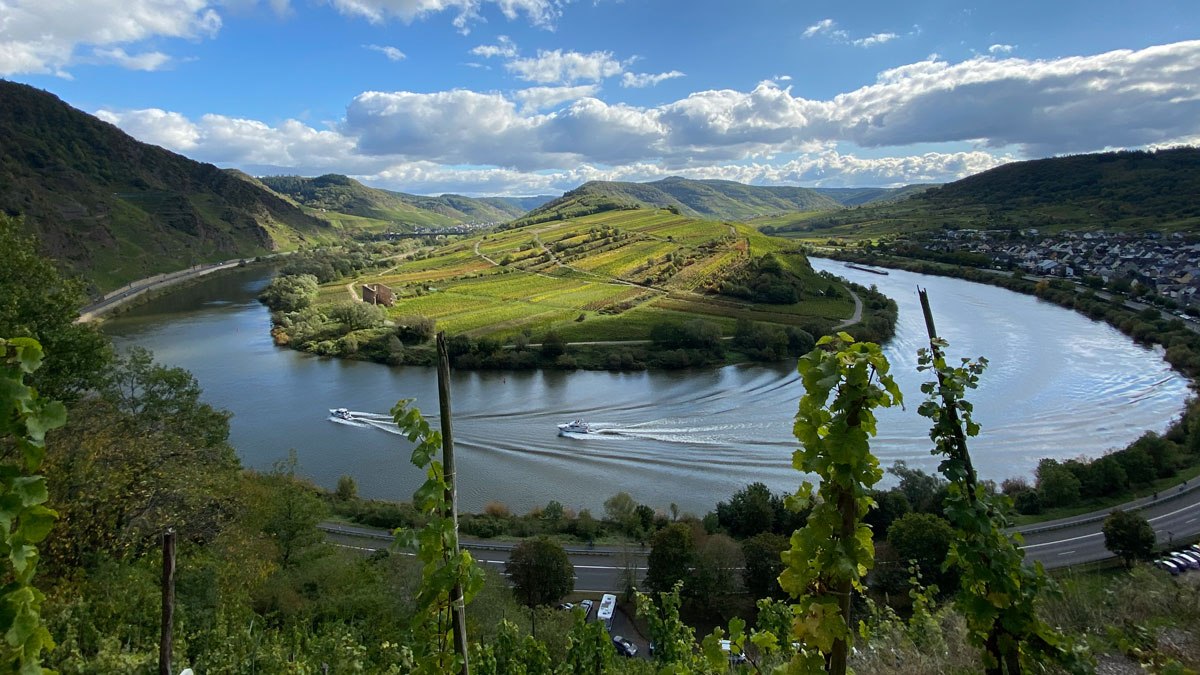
(136, 288)
(597, 570)
(1174, 514)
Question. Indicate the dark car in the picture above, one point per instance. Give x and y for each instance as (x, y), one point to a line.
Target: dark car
(624, 647)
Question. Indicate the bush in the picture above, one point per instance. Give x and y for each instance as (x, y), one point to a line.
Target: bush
(1028, 502)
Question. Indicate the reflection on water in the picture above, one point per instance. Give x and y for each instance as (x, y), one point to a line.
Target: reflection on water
(1059, 385)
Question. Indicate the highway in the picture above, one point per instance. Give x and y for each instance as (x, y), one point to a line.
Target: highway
(1174, 514)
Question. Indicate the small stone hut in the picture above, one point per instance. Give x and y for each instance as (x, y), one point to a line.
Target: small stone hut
(378, 294)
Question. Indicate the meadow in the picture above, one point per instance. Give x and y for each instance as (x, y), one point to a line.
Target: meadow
(602, 277)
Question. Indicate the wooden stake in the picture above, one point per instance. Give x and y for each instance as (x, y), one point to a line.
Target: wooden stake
(457, 607)
(960, 439)
(168, 602)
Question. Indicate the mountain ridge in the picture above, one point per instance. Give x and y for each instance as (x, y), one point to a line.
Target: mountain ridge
(115, 209)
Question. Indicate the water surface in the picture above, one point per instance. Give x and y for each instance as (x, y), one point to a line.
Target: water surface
(1059, 385)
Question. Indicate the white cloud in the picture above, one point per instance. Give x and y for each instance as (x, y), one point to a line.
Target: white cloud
(1030, 108)
(539, 12)
(557, 66)
(1001, 49)
(874, 39)
(41, 36)
(143, 61)
(391, 53)
(504, 47)
(820, 27)
(647, 79)
(537, 98)
(783, 78)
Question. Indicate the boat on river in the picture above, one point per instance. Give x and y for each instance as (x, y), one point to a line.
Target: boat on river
(576, 427)
(864, 268)
(340, 413)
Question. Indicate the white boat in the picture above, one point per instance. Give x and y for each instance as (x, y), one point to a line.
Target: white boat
(576, 427)
(340, 413)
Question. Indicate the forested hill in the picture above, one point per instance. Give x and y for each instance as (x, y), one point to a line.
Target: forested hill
(707, 199)
(342, 194)
(873, 195)
(116, 209)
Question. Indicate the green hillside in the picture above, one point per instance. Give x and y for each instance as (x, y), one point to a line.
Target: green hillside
(1113, 190)
(332, 195)
(115, 209)
(873, 195)
(707, 199)
(621, 271)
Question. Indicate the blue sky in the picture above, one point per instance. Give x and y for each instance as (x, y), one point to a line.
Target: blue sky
(536, 96)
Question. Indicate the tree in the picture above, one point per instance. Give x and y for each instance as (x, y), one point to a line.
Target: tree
(347, 489)
(619, 508)
(354, 315)
(749, 511)
(294, 512)
(924, 538)
(553, 345)
(540, 572)
(290, 292)
(718, 559)
(922, 490)
(1129, 535)
(40, 303)
(763, 564)
(1056, 484)
(672, 554)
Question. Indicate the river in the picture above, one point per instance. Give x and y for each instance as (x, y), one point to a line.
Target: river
(1059, 385)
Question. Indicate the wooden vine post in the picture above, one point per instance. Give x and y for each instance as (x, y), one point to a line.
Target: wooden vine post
(165, 643)
(457, 605)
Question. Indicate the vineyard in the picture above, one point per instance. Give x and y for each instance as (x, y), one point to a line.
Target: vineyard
(605, 276)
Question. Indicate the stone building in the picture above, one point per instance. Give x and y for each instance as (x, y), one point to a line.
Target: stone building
(378, 294)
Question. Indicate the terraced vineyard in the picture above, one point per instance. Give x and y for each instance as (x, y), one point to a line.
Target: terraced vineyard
(606, 276)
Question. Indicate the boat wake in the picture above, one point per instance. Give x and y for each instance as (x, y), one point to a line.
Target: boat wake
(368, 420)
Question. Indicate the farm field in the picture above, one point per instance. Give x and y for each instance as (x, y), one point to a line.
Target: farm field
(602, 277)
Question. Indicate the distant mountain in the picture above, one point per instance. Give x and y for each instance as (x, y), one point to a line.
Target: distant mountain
(342, 194)
(1125, 190)
(707, 199)
(116, 209)
(873, 195)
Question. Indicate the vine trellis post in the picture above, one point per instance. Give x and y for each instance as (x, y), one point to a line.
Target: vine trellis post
(457, 605)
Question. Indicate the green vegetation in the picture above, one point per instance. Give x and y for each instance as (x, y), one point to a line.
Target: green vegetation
(333, 197)
(1129, 535)
(711, 199)
(116, 210)
(673, 285)
(1127, 190)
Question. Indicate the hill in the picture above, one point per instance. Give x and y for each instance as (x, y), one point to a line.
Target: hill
(1125, 190)
(332, 195)
(115, 209)
(706, 199)
(873, 195)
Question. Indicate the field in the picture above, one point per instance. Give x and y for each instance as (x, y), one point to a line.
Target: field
(602, 277)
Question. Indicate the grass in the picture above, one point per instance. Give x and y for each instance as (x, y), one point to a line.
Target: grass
(623, 271)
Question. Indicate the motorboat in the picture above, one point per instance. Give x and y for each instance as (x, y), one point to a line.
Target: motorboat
(341, 413)
(576, 427)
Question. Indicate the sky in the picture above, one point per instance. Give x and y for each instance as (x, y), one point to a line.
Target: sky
(524, 97)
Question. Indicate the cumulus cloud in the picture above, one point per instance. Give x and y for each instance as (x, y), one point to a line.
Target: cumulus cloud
(556, 66)
(391, 53)
(539, 12)
(40, 36)
(1001, 49)
(1031, 108)
(537, 98)
(647, 79)
(504, 47)
(143, 61)
(874, 39)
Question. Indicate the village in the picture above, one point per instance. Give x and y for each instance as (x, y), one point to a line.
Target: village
(1167, 264)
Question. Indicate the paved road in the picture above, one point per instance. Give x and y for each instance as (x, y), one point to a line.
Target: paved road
(139, 287)
(1174, 514)
(599, 569)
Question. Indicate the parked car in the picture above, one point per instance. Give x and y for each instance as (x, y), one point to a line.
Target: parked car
(586, 605)
(1186, 560)
(566, 606)
(624, 647)
(1169, 565)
